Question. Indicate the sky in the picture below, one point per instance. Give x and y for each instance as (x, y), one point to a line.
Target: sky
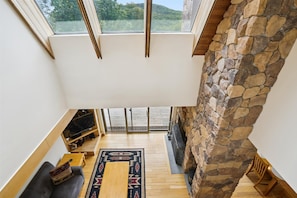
(173, 4)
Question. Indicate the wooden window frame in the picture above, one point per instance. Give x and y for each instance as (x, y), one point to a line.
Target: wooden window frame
(35, 21)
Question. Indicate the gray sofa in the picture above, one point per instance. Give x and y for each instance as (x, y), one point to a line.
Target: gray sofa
(41, 185)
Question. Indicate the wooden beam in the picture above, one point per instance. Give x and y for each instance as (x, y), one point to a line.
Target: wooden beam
(95, 42)
(148, 27)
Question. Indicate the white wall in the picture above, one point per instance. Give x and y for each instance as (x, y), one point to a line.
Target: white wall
(31, 99)
(124, 77)
(275, 133)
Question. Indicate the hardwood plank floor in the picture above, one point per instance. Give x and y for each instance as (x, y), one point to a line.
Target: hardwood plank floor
(159, 181)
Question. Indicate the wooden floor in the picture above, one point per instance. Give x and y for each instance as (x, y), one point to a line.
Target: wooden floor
(159, 181)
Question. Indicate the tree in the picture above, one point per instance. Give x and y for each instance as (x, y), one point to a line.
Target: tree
(107, 9)
(65, 10)
(133, 11)
(45, 7)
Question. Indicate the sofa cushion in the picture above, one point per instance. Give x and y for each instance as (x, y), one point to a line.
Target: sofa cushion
(61, 173)
(70, 188)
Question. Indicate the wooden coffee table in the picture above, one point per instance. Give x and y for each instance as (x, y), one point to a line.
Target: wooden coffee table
(77, 159)
(115, 180)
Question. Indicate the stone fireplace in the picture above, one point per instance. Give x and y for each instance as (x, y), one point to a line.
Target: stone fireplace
(178, 141)
(241, 66)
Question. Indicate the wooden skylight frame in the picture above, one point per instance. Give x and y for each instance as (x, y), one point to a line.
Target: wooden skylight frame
(88, 12)
(32, 16)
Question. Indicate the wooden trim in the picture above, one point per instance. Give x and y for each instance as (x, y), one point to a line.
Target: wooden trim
(42, 38)
(97, 122)
(14, 185)
(148, 27)
(101, 121)
(201, 20)
(126, 120)
(215, 16)
(94, 41)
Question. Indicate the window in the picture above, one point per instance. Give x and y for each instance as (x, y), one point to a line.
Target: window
(167, 16)
(120, 16)
(114, 119)
(64, 16)
(139, 119)
(173, 15)
(160, 118)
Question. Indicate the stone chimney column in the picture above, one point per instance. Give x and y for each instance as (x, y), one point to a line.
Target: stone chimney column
(240, 68)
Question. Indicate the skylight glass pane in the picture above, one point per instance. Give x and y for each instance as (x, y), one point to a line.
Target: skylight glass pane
(194, 7)
(63, 16)
(173, 15)
(120, 16)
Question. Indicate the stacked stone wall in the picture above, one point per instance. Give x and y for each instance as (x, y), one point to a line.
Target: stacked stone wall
(241, 66)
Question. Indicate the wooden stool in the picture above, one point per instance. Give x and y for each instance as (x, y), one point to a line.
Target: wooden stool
(76, 159)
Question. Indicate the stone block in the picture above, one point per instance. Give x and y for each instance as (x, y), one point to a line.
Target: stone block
(241, 133)
(231, 11)
(261, 60)
(232, 51)
(236, 1)
(287, 43)
(251, 92)
(224, 84)
(216, 46)
(274, 24)
(253, 115)
(245, 103)
(259, 44)
(241, 27)
(217, 37)
(235, 91)
(254, 8)
(273, 69)
(232, 37)
(255, 80)
(272, 46)
(241, 112)
(258, 100)
(275, 57)
(244, 45)
(264, 90)
(224, 25)
(256, 26)
(222, 123)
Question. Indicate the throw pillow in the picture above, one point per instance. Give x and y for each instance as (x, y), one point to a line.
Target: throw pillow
(61, 173)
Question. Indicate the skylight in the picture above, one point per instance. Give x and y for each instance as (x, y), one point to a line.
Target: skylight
(96, 17)
(63, 16)
(121, 16)
(167, 16)
(116, 16)
(173, 15)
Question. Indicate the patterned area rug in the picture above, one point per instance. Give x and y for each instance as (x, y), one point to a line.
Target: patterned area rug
(136, 183)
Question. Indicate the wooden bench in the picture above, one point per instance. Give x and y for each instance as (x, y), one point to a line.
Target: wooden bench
(76, 159)
(115, 180)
